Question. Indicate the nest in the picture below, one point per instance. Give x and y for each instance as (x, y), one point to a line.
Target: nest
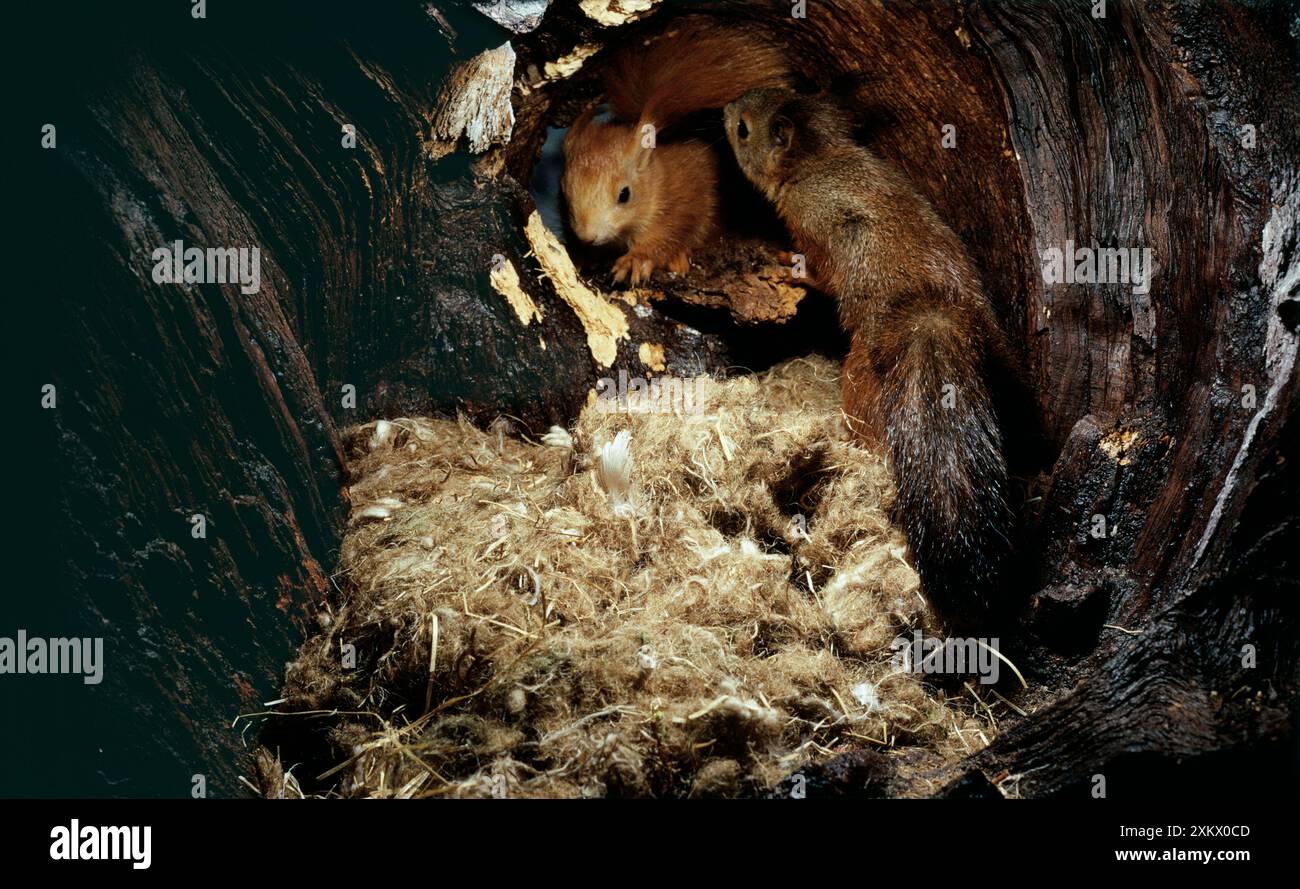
(690, 596)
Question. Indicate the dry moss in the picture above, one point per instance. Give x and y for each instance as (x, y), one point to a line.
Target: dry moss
(601, 626)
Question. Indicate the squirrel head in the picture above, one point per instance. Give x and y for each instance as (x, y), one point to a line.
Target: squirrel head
(608, 179)
(771, 130)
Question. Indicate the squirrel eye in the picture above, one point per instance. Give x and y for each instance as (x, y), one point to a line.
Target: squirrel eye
(742, 130)
(625, 195)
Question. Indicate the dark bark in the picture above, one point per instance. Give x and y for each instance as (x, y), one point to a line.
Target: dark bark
(175, 400)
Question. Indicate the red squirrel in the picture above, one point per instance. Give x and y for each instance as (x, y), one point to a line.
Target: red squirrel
(923, 335)
(658, 200)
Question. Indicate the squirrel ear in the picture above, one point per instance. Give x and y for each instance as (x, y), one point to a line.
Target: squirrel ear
(782, 130)
(641, 157)
(641, 147)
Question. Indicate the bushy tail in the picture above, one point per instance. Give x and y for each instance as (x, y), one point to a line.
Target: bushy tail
(948, 464)
(696, 64)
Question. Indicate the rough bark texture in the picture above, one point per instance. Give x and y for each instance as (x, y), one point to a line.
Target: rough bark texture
(182, 399)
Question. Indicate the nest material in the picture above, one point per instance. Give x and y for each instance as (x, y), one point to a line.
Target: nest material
(630, 609)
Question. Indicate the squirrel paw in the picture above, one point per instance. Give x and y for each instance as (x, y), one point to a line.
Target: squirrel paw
(797, 265)
(634, 266)
(681, 263)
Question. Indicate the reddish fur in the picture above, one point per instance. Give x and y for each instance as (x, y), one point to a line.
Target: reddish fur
(696, 64)
(673, 206)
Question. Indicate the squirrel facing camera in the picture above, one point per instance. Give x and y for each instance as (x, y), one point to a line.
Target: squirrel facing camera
(627, 186)
(925, 339)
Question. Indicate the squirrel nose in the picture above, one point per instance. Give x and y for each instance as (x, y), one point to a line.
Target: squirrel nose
(587, 232)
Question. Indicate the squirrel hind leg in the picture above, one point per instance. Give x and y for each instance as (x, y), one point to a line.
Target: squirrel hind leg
(680, 264)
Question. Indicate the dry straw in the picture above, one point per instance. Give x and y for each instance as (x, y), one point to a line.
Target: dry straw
(651, 604)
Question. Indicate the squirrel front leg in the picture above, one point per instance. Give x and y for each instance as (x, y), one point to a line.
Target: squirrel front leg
(634, 267)
(797, 264)
(645, 253)
(860, 397)
(638, 267)
(681, 263)
(665, 244)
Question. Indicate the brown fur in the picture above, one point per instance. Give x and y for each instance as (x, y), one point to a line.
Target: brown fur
(672, 204)
(697, 63)
(910, 297)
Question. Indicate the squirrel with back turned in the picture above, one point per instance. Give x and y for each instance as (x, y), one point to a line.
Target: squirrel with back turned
(923, 334)
(658, 200)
